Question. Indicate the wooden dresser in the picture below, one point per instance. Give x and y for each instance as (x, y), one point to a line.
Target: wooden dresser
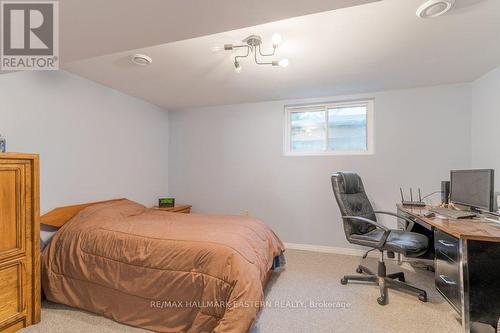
(19, 241)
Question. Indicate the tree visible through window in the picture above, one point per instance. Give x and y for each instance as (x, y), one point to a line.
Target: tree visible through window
(329, 128)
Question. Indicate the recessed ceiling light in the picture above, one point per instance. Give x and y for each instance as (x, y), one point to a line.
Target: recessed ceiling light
(141, 59)
(434, 8)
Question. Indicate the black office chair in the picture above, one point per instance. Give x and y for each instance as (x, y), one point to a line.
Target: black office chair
(361, 227)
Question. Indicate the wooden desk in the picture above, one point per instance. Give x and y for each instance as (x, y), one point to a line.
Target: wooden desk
(473, 229)
(176, 209)
(467, 265)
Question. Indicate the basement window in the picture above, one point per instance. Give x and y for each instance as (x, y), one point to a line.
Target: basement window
(343, 128)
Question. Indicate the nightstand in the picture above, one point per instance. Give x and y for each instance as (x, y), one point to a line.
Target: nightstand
(176, 209)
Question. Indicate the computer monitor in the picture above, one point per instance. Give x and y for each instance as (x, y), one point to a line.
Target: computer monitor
(472, 188)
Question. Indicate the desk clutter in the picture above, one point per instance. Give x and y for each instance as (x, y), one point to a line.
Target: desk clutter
(467, 194)
(418, 203)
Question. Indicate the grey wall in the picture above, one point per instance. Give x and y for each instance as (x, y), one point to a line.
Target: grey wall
(486, 123)
(94, 142)
(229, 159)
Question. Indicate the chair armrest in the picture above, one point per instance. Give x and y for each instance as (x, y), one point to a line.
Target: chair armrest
(387, 231)
(395, 215)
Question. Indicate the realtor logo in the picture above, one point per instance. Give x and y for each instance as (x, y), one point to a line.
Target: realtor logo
(29, 35)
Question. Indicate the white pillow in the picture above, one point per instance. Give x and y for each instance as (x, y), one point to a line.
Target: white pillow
(46, 234)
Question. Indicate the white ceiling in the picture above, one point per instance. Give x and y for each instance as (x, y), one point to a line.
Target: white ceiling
(90, 28)
(372, 47)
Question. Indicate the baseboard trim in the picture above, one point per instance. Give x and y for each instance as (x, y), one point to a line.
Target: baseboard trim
(324, 249)
(330, 249)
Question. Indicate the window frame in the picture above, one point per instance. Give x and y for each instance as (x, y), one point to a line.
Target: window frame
(370, 138)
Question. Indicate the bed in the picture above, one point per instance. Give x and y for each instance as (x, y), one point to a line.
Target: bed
(162, 271)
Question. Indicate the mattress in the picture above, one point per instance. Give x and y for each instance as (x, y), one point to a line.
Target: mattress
(167, 272)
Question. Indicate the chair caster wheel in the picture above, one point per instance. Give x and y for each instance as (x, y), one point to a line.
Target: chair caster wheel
(382, 300)
(422, 298)
(358, 270)
(343, 281)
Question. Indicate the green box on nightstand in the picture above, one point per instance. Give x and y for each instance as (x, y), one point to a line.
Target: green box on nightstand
(166, 202)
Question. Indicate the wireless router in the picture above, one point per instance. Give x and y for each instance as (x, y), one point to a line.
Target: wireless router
(418, 203)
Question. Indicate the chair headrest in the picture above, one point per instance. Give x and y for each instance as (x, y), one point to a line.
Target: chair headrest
(349, 182)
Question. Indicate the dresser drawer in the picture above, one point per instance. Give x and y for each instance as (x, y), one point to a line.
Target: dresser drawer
(13, 217)
(14, 327)
(446, 246)
(12, 290)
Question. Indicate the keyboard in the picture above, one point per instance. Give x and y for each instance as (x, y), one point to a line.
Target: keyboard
(451, 213)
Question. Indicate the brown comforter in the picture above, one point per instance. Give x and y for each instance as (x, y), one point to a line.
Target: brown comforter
(161, 271)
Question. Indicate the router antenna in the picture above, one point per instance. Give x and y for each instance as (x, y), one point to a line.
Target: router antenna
(419, 195)
(411, 195)
(402, 196)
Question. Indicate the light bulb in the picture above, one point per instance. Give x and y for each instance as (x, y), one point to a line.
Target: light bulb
(283, 62)
(237, 67)
(217, 48)
(276, 40)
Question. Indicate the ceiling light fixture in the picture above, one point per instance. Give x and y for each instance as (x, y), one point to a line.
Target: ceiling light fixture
(434, 8)
(237, 66)
(141, 59)
(252, 44)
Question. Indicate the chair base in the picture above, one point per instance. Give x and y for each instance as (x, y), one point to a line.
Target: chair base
(394, 280)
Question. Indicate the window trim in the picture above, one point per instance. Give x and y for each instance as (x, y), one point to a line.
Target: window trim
(370, 137)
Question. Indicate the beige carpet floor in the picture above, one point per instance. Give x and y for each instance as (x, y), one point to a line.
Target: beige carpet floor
(307, 296)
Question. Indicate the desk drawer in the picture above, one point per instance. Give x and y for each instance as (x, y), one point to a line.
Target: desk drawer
(448, 268)
(446, 246)
(448, 282)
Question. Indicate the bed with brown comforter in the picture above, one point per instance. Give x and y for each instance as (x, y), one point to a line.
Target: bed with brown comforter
(162, 271)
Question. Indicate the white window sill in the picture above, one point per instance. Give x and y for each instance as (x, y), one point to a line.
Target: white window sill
(329, 153)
